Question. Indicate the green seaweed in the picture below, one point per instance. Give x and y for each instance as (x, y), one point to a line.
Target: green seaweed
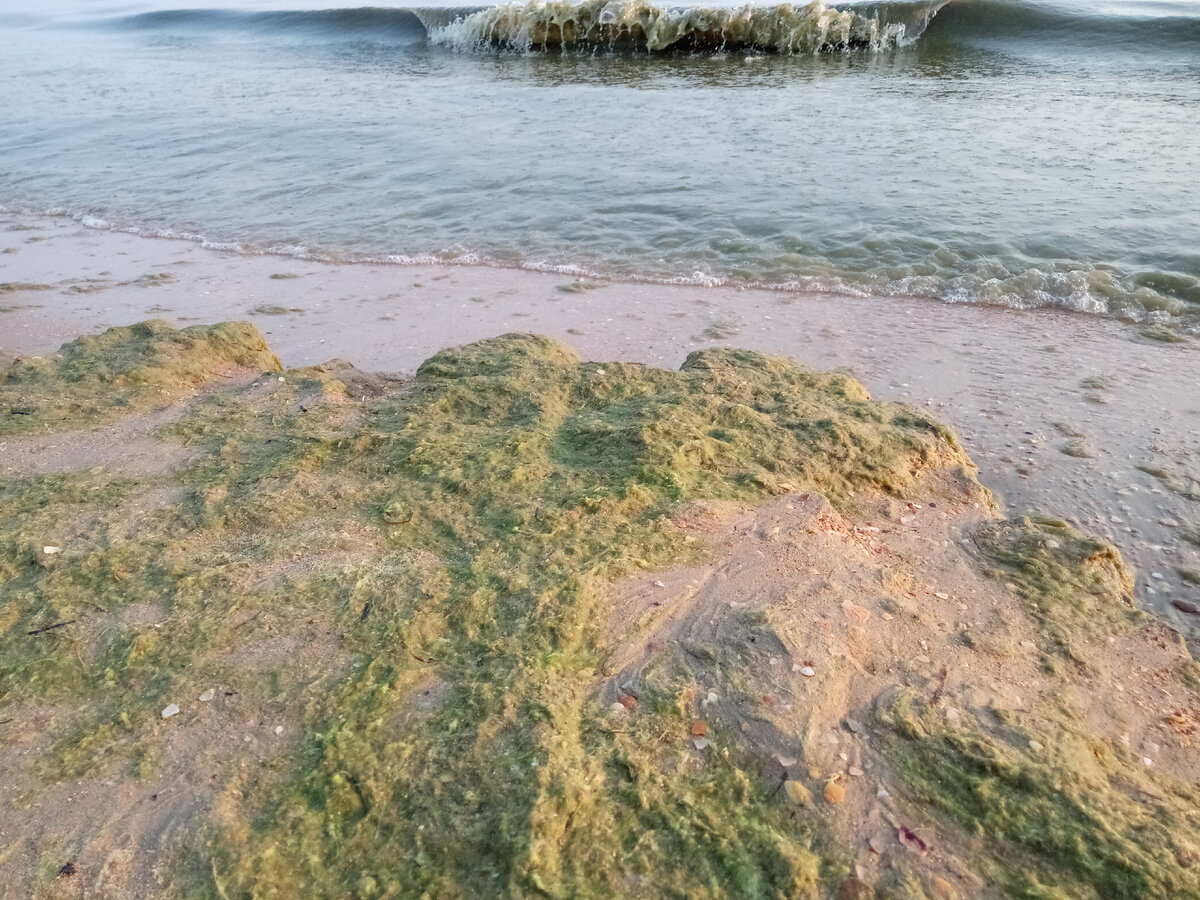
(445, 544)
(123, 370)
(525, 479)
(1077, 585)
(1051, 813)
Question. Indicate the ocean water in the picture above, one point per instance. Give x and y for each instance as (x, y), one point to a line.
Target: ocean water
(1013, 153)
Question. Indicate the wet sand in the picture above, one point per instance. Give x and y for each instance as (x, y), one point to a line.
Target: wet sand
(1018, 387)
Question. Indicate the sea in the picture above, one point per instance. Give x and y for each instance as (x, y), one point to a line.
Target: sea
(1001, 152)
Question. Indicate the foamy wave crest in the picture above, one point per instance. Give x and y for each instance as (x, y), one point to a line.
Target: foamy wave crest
(806, 29)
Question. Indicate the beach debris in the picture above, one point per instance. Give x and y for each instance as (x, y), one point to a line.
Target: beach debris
(67, 870)
(798, 793)
(46, 628)
(50, 550)
(911, 840)
(171, 709)
(834, 793)
(207, 695)
(396, 513)
(807, 671)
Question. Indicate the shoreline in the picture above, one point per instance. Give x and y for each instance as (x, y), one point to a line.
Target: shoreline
(1020, 388)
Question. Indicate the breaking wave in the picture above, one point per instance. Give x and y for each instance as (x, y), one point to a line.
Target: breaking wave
(810, 28)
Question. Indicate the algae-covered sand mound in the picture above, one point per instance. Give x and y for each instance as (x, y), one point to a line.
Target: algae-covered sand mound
(124, 369)
(367, 638)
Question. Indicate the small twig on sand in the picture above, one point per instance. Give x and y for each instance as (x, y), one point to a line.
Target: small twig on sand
(51, 627)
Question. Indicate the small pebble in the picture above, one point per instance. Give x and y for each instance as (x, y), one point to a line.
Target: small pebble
(798, 793)
(50, 551)
(207, 695)
(808, 671)
(700, 742)
(279, 729)
(834, 793)
(170, 710)
(855, 772)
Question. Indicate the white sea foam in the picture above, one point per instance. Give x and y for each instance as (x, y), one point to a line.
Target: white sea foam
(808, 28)
(1091, 290)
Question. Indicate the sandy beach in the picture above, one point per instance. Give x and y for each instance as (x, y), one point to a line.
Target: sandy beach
(1059, 410)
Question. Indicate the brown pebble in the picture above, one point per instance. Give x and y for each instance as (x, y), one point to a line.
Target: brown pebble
(834, 793)
(699, 729)
(1186, 606)
(943, 888)
(68, 870)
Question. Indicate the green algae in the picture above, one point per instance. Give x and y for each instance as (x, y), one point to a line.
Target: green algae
(442, 548)
(1049, 811)
(1076, 585)
(510, 481)
(123, 370)
(1163, 334)
(13, 287)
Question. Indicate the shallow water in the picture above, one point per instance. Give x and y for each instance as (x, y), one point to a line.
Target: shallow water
(1010, 153)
